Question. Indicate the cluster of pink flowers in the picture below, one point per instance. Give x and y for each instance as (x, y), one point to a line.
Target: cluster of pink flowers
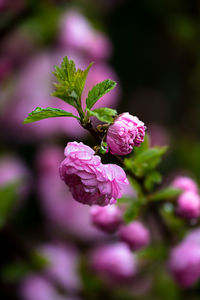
(126, 132)
(188, 203)
(90, 181)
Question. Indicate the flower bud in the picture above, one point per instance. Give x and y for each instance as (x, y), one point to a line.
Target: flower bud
(135, 234)
(90, 181)
(114, 262)
(184, 263)
(185, 184)
(125, 133)
(188, 205)
(107, 218)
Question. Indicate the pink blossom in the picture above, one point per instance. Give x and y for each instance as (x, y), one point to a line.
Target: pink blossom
(14, 171)
(77, 33)
(185, 183)
(114, 262)
(106, 218)
(89, 181)
(188, 205)
(37, 284)
(59, 207)
(125, 133)
(62, 212)
(184, 263)
(62, 265)
(135, 234)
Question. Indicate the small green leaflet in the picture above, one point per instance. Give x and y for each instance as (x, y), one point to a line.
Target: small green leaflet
(71, 82)
(145, 161)
(44, 113)
(104, 114)
(98, 91)
(166, 193)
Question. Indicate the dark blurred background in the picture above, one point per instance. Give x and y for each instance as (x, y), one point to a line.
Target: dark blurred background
(152, 49)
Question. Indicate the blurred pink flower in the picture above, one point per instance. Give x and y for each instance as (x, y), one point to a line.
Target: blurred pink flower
(37, 285)
(62, 265)
(185, 183)
(184, 263)
(188, 205)
(14, 171)
(135, 234)
(107, 218)
(114, 262)
(77, 33)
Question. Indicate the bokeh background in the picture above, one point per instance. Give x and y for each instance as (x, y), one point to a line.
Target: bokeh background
(152, 49)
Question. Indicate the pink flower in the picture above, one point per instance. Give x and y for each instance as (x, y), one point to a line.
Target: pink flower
(106, 218)
(135, 234)
(77, 33)
(14, 171)
(114, 262)
(184, 263)
(37, 284)
(185, 183)
(62, 265)
(125, 133)
(188, 205)
(89, 181)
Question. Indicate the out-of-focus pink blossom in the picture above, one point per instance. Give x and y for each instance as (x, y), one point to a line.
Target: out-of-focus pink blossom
(184, 263)
(185, 183)
(193, 236)
(135, 234)
(188, 205)
(37, 285)
(125, 133)
(114, 262)
(62, 265)
(77, 33)
(89, 181)
(106, 218)
(14, 171)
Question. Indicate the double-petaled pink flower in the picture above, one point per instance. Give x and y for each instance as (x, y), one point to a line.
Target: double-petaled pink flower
(90, 181)
(126, 132)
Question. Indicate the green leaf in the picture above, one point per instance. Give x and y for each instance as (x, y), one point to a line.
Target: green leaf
(104, 114)
(8, 196)
(45, 113)
(70, 82)
(98, 91)
(132, 211)
(144, 146)
(166, 193)
(145, 161)
(151, 179)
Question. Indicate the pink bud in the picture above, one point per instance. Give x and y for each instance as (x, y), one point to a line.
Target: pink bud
(114, 262)
(107, 218)
(125, 133)
(135, 234)
(188, 205)
(185, 183)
